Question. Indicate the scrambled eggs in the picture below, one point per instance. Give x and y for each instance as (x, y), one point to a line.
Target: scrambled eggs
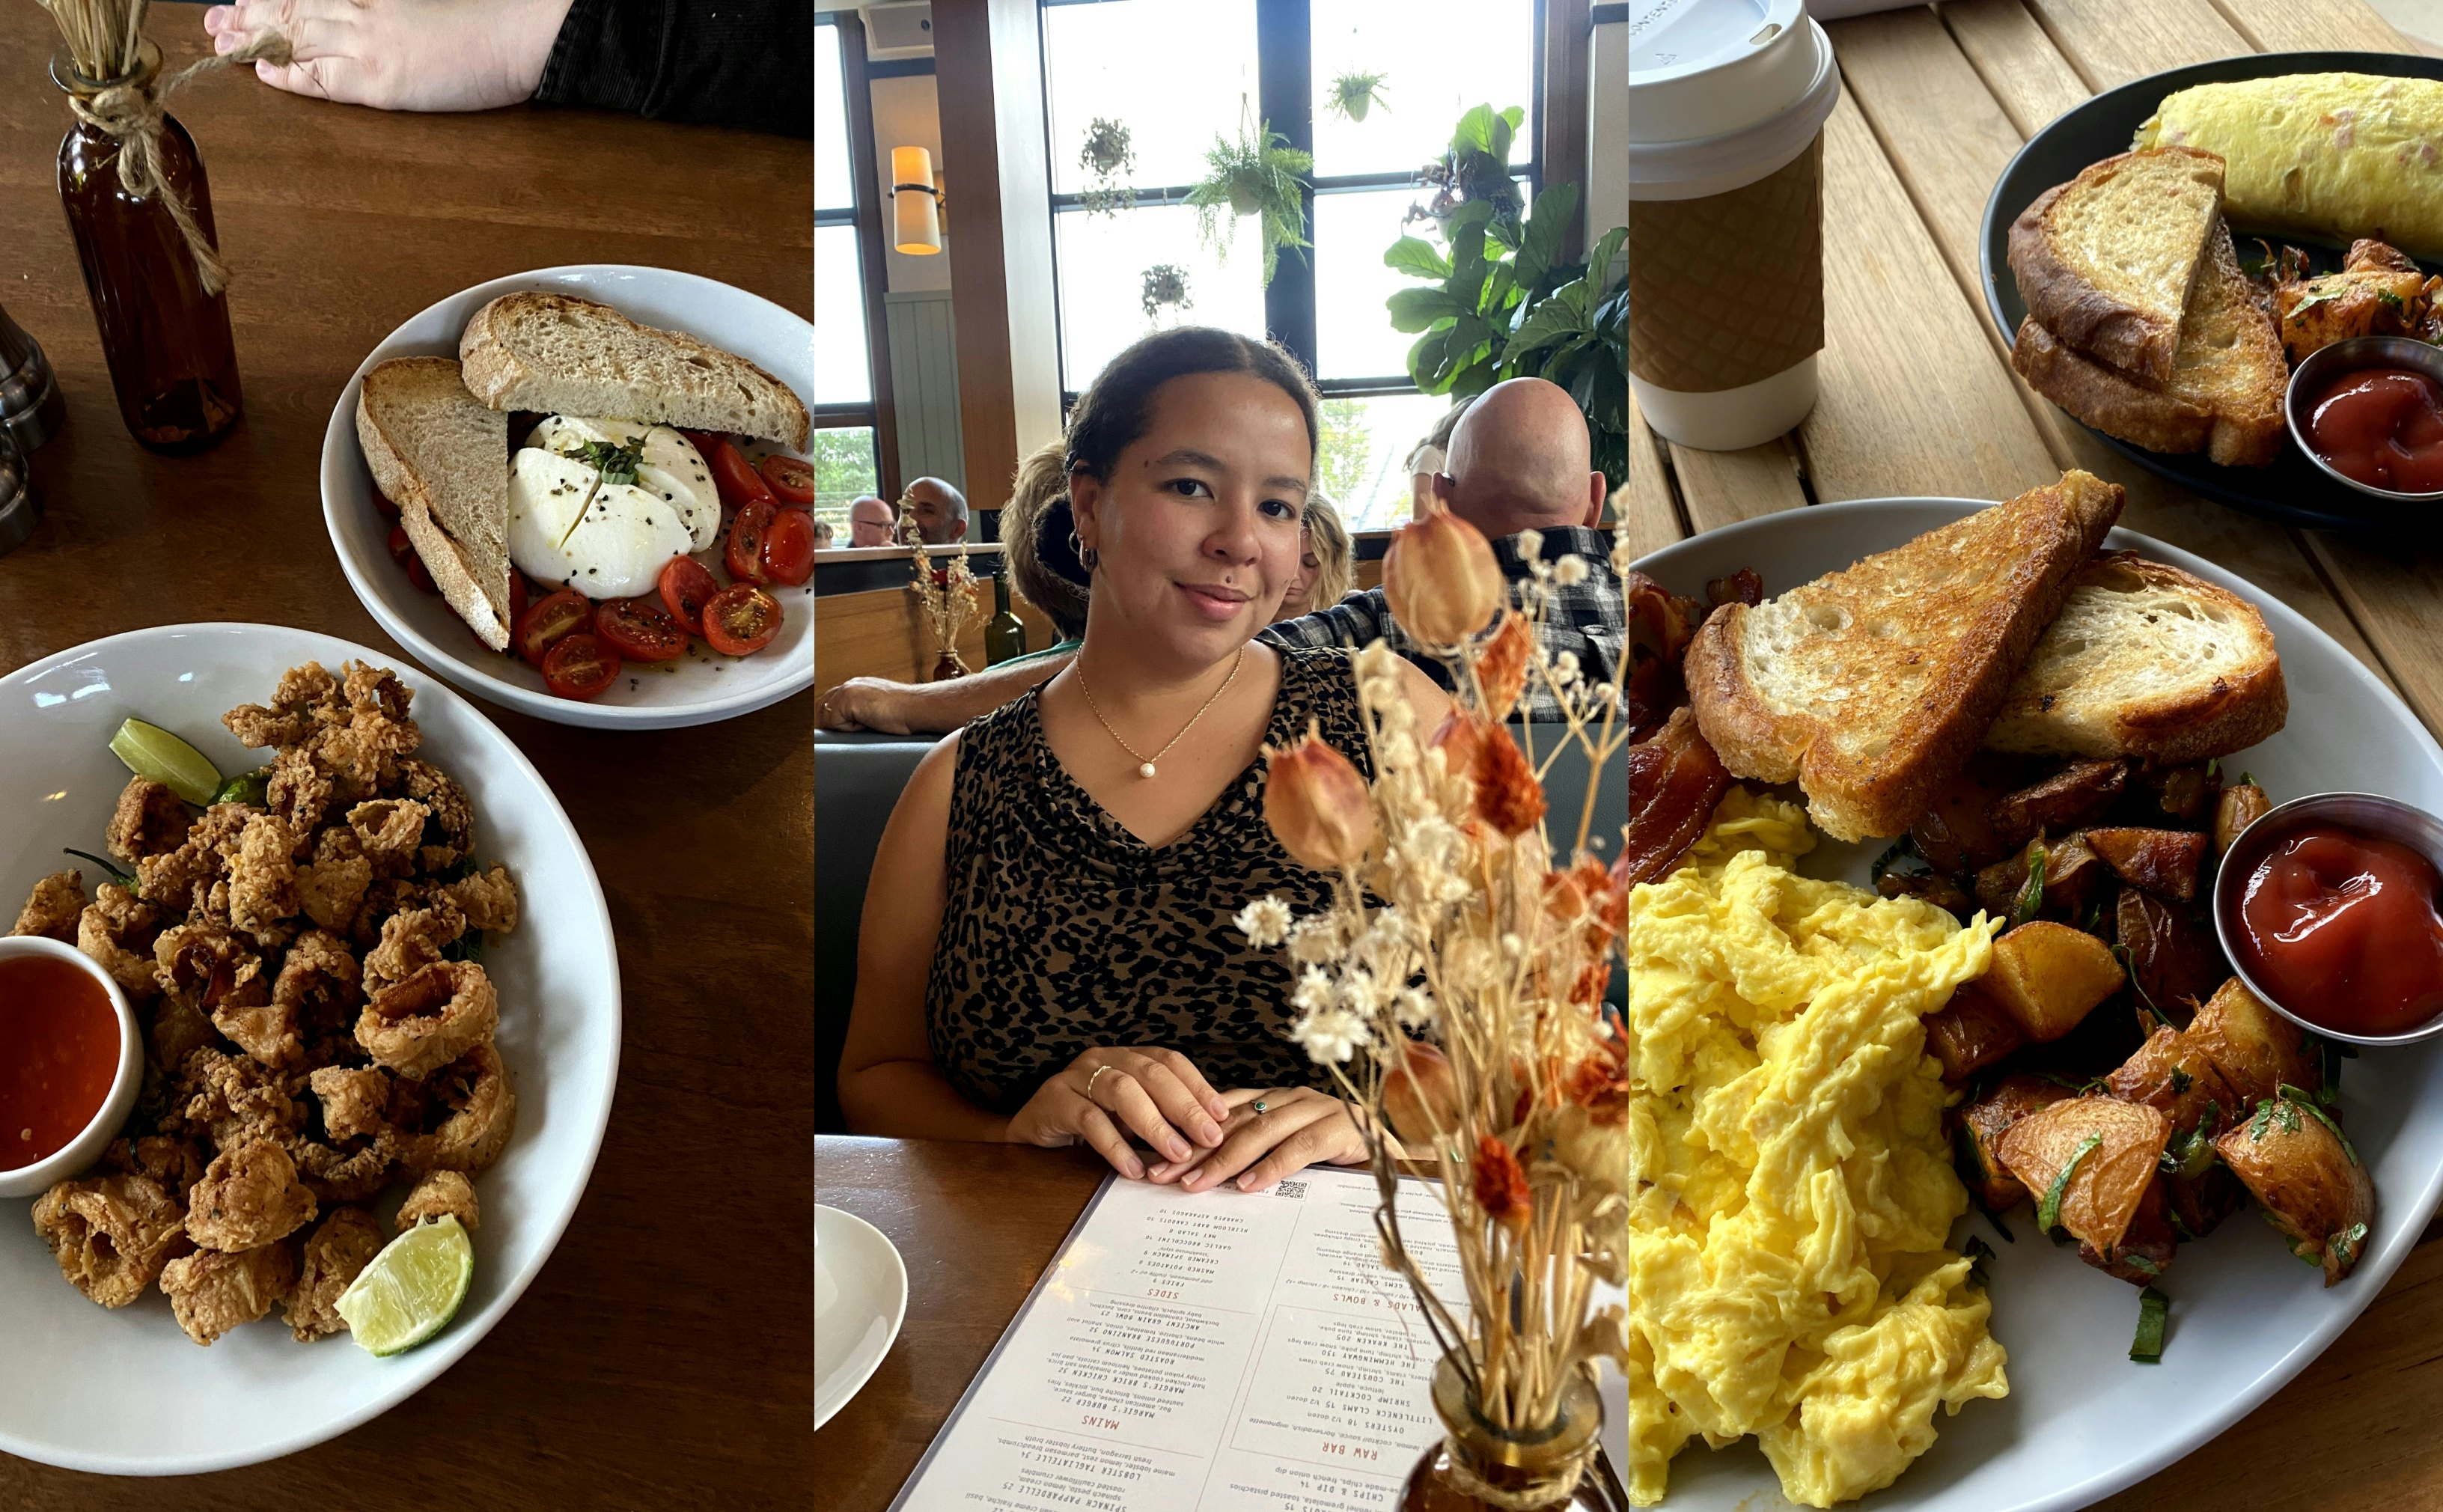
(1786, 1270)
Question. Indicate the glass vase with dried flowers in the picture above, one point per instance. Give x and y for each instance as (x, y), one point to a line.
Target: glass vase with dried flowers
(141, 212)
(947, 596)
(1455, 988)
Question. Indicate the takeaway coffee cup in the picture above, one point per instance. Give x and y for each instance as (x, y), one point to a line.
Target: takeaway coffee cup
(1726, 100)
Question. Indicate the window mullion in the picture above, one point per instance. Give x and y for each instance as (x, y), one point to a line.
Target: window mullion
(1285, 97)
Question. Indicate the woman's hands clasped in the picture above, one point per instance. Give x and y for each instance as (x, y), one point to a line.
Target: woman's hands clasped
(1270, 1135)
(1155, 1094)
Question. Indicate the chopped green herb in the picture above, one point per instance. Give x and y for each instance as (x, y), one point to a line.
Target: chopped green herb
(2344, 1246)
(618, 464)
(2181, 1229)
(2388, 297)
(468, 946)
(2187, 1155)
(1902, 849)
(1979, 1252)
(2048, 1210)
(2271, 1111)
(123, 878)
(2180, 1082)
(2316, 295)
(246, 787)
(2154, 1311)
(2032, 893)
(2298, 1098)
(2142, 1265)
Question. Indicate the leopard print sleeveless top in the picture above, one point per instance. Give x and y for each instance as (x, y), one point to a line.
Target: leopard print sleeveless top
(1063, 931)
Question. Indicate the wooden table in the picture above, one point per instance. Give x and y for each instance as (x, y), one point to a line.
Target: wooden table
(1919, 397)
(661, 1358)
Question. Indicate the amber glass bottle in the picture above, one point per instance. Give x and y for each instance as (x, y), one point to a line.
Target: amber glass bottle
(1477, 1467)
(173, 363)
(1005, 634)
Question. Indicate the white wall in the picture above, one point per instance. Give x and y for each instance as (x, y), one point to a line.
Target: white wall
(1608, 144)
(907, 113)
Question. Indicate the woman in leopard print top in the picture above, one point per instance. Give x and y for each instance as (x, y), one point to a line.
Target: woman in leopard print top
(1047, 953)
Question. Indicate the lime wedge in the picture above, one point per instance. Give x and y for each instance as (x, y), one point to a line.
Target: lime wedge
(150, 751)
(411, 1289)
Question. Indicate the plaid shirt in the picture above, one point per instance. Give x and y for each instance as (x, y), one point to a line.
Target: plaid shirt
(1590, 618)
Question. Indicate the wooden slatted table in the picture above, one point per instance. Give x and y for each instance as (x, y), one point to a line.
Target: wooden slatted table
(660, 1360)
(1919, 397)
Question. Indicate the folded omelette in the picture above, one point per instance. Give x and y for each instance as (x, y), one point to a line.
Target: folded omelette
(1787, 1270)
(2330, 156)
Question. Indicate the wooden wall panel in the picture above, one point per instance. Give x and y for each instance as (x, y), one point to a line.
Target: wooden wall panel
(881, 634)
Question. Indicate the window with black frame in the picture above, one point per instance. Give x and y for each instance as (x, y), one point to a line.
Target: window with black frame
(1136, 94)
(843, 447)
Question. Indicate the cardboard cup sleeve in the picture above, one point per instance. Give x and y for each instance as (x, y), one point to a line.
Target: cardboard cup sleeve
(1728, 290)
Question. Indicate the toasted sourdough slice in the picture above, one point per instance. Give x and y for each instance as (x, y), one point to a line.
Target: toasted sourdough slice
(2106, 262)
(444, 460)
(2227, 375)
(2145, 661)
(1873, 686)
(555, 354)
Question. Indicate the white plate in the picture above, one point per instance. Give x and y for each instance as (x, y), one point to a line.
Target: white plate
(697, 688)
(860, 1296)
(124, 1391)
(2082, 1421)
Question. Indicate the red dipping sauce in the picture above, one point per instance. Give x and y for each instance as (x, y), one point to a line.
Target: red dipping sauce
(59, 1054)
(2384, 426)
(2342, 927)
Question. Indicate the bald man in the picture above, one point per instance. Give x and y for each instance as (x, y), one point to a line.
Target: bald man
(1518, 461)
(940, 511)
(868, 522)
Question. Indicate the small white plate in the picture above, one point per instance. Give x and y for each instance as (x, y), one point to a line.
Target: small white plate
(699, 687)
(860, 1297)
(125, 1392)
(2082, 1421)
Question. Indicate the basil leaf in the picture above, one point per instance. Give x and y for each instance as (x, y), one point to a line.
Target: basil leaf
(2048, 1210)
(2153, 1312)
(2031, 895)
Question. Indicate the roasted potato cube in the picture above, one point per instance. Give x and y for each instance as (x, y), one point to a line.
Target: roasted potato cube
(2163, 861)
(2074, 877)
(1971, 1033)
(1955, 833)
(1933, 887)
(2173, 959)
(2172, 1076)
(2077, 795)
(2197, 1207)
(2257, 1050)
(2314, 1188)
(2316, 313)
(2240, 805)
(2183, 793)
(2049, 976)
(2093, 1157)
(2145, 1250)
(1982, 1124)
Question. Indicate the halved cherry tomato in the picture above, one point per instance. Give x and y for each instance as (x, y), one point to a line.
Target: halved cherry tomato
(742, 620)
(792, 480)
(579, 667)
(403, 552)
(788, 552)
(381, 502)
(743, 556)
(640, 629)
(551, 620)
(736, 477)
(704, 441)
(686, 584)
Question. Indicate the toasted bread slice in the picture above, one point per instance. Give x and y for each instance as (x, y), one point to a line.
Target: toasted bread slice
(2106, 262)
(556, 354)
(1872, 687)
(2145, 661)
(2227, 375)
(444, 460)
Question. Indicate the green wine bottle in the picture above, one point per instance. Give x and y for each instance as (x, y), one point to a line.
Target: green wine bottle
(1005, 634)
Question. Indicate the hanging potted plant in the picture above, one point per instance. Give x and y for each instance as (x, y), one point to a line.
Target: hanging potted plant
(1107, 158)
(1166, 288)
(1256, 174)
(1354, 93)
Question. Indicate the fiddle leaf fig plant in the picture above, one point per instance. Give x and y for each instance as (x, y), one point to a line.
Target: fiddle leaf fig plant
(1258, 175)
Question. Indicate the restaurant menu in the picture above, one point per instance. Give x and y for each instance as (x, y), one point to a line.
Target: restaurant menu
(1211, 1352)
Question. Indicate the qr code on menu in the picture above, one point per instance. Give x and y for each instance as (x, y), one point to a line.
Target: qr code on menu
(1291, 1188)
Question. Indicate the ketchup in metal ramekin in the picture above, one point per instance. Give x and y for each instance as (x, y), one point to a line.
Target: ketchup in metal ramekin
(2343, 928)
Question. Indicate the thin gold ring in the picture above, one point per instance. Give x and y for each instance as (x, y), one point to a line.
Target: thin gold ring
(1090, 1081)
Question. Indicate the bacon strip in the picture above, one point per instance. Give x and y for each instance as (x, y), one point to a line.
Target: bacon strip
(1674, 782)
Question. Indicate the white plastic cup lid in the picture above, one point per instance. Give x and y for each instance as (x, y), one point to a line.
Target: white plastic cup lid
(1709, 67)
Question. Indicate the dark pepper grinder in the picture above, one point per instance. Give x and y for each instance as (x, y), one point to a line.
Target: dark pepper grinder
(32, 409)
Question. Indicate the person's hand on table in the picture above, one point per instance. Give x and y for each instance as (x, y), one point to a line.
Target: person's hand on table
(864, 703)
(1270, 1134)
(399, 54)
(1155, 1094)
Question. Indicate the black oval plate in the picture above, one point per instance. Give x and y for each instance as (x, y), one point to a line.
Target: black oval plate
(2291, 490)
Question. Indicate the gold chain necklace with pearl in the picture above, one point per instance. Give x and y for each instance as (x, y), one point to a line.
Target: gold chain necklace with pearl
(1145, 763)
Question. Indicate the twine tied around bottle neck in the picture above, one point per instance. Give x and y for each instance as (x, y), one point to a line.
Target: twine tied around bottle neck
(1552, 1487)
(129, 109)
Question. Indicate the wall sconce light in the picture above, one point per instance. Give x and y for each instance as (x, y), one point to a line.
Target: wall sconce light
(915, 203)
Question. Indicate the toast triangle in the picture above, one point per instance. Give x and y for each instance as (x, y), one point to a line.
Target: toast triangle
(2106, 261)
(444, 459)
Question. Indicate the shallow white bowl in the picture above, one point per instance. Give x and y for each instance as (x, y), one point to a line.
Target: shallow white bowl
(2082, 1421)
(699, 687)
(124, 1391)
(860, 1298)
(82, 1150)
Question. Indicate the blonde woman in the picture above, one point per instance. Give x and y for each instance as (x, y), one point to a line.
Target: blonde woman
(1326, 572)
(1047, 953)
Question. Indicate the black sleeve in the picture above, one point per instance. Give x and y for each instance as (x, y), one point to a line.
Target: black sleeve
(715, 63)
